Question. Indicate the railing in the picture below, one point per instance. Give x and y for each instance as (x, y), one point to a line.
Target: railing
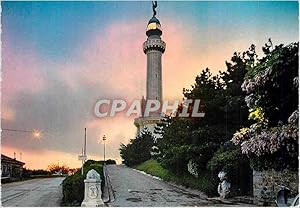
(154, 42)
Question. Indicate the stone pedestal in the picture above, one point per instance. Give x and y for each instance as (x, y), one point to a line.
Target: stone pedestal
(92, 190)
(146, 122)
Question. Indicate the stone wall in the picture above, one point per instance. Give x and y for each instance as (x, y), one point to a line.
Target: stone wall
(266, 184)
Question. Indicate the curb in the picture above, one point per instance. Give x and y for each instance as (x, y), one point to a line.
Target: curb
(108, 193)
(201, 194)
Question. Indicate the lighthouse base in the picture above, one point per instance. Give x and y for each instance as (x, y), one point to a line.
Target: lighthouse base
(146, 122)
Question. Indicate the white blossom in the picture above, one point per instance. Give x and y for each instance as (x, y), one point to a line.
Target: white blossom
(192, 168)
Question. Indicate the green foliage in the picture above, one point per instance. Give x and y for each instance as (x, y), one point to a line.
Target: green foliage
(138, 150)
(73, 190)
(202, 140)
(27, 173)
(205, 182)
(154, 168)
(73, 186)
(110, 162)
(271, 88)
(224, 159)
(231, 160)
(225, 111)
(265, 85)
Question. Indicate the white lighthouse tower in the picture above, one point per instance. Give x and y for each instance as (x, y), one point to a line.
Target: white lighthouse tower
(153, 47)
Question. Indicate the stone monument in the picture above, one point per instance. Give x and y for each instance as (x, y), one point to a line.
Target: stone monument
(92, 190)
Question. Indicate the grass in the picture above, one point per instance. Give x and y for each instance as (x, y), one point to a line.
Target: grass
(154, 168)
(205, 182)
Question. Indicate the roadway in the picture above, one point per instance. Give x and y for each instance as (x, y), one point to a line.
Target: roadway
(44, 192)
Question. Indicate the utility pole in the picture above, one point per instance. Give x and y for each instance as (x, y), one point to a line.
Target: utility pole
(83, 156)
(82, 162)
(85, 141)
(104, 139)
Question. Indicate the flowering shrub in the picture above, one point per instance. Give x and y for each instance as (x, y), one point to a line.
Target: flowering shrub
(271, 87)
(260, 140)
(260, 79)
(257, 114)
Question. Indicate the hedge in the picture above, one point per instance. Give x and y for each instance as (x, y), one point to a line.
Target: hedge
(73, 186)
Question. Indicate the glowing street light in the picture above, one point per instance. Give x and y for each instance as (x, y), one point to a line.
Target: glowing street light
(37, 134)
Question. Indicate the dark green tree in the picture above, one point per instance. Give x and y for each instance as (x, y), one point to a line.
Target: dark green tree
(138, 150)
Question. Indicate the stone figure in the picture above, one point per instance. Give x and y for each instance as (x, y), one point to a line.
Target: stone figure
(154, 5)
(224, 186)
(92, 174)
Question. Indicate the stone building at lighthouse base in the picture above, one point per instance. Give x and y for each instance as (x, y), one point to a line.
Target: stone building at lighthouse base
(146, 122)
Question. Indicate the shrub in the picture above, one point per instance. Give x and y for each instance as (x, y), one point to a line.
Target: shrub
(154, 168)
(205, 182)
(27, 173)
(138, 150)
(271, 86)
(73, 189)
(110, 162)
(73, 186)
(226, 160)
(231, 160)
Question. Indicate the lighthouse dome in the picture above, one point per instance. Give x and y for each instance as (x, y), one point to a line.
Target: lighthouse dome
(153, 27)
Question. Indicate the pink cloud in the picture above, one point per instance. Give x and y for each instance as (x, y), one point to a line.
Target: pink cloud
(20, 72)
(7, 113)
(112, 60)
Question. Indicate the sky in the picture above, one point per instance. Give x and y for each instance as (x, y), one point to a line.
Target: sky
(60, 58)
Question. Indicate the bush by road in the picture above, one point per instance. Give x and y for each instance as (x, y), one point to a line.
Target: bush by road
(73, 186)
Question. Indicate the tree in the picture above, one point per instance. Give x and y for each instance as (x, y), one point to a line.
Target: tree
(271, 87)
(222, 100)
(205, 142)
(55, 167)
(138, 150)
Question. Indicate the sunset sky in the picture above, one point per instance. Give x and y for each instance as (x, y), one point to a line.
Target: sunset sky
(59, 58)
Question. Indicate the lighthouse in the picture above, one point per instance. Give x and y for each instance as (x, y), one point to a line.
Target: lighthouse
(153, 47)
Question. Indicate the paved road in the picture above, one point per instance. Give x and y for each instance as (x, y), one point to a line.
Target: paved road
(133, 188)
(44, 192)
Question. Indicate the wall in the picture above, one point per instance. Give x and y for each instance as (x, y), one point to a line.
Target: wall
(272, 180)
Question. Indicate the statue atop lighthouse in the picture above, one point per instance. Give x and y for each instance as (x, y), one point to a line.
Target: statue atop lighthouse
(153, 47)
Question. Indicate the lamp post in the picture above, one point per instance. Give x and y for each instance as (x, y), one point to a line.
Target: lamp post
(104, 139)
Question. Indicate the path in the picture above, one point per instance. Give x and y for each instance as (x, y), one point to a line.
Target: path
(45, 192)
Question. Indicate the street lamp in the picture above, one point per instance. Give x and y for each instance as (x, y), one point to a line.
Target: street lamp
(37, 134)
(104, 139)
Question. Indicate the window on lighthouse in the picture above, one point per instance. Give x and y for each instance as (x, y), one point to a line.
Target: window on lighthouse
(152, 26)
